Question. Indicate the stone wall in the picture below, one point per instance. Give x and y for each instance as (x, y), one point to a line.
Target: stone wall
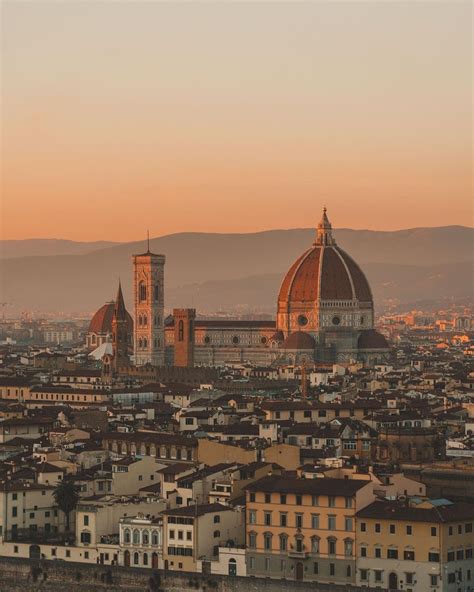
(20, 575)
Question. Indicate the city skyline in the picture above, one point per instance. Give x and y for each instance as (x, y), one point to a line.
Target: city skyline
(223, 117)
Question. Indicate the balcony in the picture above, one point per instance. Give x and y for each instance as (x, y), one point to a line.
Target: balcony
(298, 551)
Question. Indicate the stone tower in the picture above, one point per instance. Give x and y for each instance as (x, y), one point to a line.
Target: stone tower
(148, 287)
(120, 333)
(184, 336)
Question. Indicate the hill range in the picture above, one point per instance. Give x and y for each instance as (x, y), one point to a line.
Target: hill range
(233, 272)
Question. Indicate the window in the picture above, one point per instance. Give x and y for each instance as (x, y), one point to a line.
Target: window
(392, 553)
(450, 531)
(283, 542)
(252, 540)
(363, 551)
(392, 528)
(363, 527)
(136, 558)
(451, 578)
(136, 536)
(217, 519)
(468, 527)
(145, 537)
(348, 547)
(267, 518)
(315, 521)
(283, 499)
(459, 555)
(378, 552)
(409, 529)
(126, 536)
(409, 555)
(433, 530)
(331, 546)
(363, 575)
(451, 555)
(268, 498)
(433, 580)
(217, 534)
(315, 500)
(267, 541)
(283, 519)
(181, 331)
(433, 556)
(331, 501)
(14, 511)
(378, 575)
(142, 291)
(85, 537)
(315, 546)
(332, 569)
(469, 553)
(86, 520)
(348, 502)
(377, 527)
(299, 500)
(252, 497)
(315, 568)
(348, 524)
(331, 522)
(299, 520)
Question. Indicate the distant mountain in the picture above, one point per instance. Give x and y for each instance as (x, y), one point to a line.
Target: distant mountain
(211, 271)
(48, 246)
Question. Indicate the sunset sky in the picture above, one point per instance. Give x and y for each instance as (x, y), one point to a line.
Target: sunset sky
(233, 116)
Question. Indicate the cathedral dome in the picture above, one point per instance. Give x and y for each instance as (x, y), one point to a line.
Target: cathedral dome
(324, 272)
(371, 339)
(324, 290)
(299, 340)
(101, 322)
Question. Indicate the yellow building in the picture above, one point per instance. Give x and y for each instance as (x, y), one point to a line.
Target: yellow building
(304, 529)
(416, 545)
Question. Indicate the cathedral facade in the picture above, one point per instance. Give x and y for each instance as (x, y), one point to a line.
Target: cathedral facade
(325, 313)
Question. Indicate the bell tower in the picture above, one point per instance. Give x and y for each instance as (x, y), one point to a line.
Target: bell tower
(148, 287)
(120, 334)
(184, 319)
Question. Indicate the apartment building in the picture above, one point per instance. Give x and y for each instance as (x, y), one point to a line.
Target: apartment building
(304, 529)
(196, 533)
(141, 541)
(416, 545)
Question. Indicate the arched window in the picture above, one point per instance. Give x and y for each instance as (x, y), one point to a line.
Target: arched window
(217, 533)
(283, 542)
(145, 342)
(154, 538)
(126, 536)
(140, 321)
(140, 343)
(142, 292)
(136, 537)
(145, 320)
(145, 558)
(217, 519)
(181, 331)
(136, 558)
(145, 537)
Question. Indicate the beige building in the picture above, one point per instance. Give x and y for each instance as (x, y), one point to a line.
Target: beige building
(196, 533)
(302, 529)
(416, 545)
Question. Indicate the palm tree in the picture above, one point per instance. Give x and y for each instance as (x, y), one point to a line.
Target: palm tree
(66, 496)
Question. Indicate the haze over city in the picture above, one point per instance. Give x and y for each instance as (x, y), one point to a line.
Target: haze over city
(233, 117)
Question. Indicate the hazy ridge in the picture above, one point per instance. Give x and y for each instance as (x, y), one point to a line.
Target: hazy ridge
(211, 271)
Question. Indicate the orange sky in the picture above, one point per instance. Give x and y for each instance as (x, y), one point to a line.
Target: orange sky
(217, 116)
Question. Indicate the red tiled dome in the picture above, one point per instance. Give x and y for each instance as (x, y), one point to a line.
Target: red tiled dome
(324, 272)
(371, 339)
(102, 320)
(299, 340)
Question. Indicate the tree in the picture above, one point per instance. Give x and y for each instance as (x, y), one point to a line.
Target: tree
(66, 496)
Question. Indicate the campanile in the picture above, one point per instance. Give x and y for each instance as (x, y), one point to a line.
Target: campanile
(148, 288)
